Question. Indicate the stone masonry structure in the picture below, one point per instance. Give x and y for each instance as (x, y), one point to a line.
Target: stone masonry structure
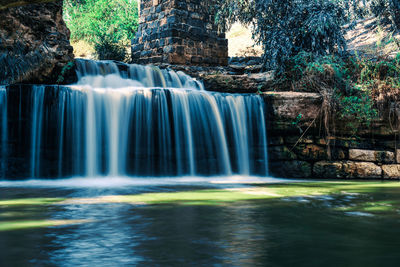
(178, 32)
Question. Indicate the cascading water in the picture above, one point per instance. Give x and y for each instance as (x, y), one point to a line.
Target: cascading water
(132, 120)
(3, 129)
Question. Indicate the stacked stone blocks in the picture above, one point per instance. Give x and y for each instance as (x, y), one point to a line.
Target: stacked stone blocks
(301, 149)
(178, 32)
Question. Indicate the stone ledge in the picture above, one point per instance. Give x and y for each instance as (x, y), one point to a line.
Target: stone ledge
(371, 156)
(391, 171)
(288, 105)
(347, 169)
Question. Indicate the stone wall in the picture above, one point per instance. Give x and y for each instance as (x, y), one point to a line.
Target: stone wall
(178, 32)
(34, 43)
(299, 147)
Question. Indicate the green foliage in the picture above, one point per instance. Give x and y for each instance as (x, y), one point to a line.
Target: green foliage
(357, 109)
(106, 24)
(64, 71)
(383, 70)
(313, 73)
(297, 120)
(106, 49)
(92, 20)
(387, 10)
(347, 85)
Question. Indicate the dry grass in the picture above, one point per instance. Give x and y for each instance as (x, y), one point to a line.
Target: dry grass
(371, 39)
(240, 42)
(83, 50)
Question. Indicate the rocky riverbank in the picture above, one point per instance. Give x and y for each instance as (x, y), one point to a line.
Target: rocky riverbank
(34, 42)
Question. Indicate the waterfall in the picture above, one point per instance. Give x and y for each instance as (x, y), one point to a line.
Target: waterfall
(3, 129)
(36, 134)
(133, 120)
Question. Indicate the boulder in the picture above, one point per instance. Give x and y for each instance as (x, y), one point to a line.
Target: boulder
(391, 171)
(288, 106)
(367, 170)
(371, 155)
(397, 155)
(244, 83)
(34, 43)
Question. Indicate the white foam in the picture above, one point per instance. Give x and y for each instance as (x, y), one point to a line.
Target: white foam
(359, 214)
(115, 182)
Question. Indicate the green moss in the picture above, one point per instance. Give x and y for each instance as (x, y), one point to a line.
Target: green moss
(378, 198)
(375, 207)
(30, 201)
(221, 196)
(19, 225)
(196, 197)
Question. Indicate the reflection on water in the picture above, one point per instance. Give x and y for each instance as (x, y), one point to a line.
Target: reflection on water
(270, 232)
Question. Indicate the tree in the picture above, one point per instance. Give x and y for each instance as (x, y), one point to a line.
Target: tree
(387, 9)
(106, 24)
(287, 27)
(91, 20)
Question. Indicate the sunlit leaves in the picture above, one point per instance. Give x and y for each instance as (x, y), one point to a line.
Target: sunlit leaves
(92, 20)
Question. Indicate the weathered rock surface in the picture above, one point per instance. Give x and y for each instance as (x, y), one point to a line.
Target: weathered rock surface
(14, 3)
(242, 83)
(226, 79)
(391, 171)
(362, 170)
(288, 106)
(398, 155)
(347, 169)
(34, 43)
(179, 32)
(371, 155)
(364, 152)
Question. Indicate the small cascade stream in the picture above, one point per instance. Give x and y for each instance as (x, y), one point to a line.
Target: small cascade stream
(3, 130)
(133, 120)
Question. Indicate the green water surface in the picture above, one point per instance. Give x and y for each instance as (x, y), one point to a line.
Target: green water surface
(289, 224)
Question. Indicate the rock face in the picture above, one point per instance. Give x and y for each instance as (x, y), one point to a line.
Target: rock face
(371, 155)
(226, 79)
(178, 32)
(286, 106)
(391, 171)
(14, 3)
(34, 43)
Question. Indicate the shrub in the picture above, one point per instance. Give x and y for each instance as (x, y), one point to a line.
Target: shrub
(105, 24)
(108, 49)
(347, 85)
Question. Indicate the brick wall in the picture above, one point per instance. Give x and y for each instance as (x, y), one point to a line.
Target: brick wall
(178, 32)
